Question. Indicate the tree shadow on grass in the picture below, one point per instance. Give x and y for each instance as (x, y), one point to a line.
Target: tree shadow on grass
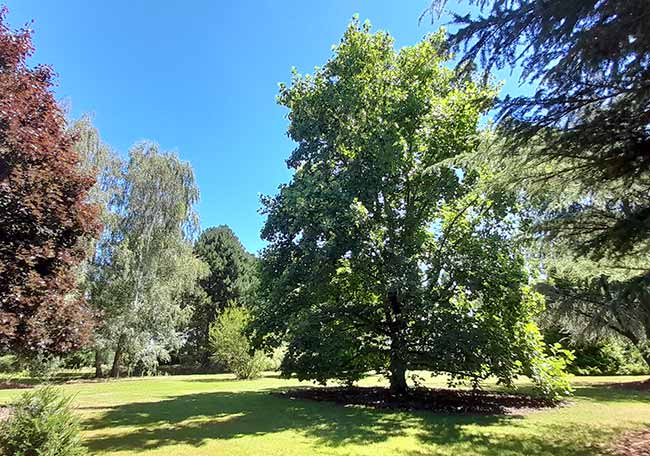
(565, 439)
(195, 419)
(192, 419)
(218, 377)
(611, 393)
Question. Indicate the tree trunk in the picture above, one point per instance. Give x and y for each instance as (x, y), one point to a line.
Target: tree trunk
(205, 359)
(397, 363)
(98, 365)
(397, 375)
(205, 348)
(117, 359)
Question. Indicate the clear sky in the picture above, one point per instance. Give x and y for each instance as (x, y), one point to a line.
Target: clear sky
(200, 77)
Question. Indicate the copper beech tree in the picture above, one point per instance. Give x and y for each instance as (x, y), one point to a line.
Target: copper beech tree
(44, 214)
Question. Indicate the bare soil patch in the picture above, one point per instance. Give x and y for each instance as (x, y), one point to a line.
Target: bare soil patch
(448, 401)
(633, 444)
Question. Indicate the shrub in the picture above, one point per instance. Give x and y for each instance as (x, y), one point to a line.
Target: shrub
(231, 345)
(606, 356)
(548, 370)
(275, 358)
(42, 423)
(8, 364)
(41, 366)
(79, 359)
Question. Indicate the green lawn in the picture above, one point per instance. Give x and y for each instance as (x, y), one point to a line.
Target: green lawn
(216, 415)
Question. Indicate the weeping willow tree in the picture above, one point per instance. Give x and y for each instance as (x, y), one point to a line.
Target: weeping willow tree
(100, 160)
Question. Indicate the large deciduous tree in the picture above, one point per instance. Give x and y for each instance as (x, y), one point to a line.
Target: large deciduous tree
(101, 161)
(232, 280)
(44, 213)
(383, 254)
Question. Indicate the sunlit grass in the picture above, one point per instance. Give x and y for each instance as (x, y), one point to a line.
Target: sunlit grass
(214, 414)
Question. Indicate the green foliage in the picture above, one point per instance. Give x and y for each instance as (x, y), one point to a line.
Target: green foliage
(40, 366)
(577, 147)
(608, 357)
(604, 356)
(231, 345)
(232, 280)
(145, 265)
(548, 364)
(386, 252)
(8, 364)
(98, 159)
(79, 359)
(584, 131)
(42, 423)
(592, 300)
(232, 277)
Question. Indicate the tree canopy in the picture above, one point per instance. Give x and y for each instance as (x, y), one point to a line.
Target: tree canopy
(585, 128)
(97, 158)
(45, 218)
(384, 254)
(578, 146)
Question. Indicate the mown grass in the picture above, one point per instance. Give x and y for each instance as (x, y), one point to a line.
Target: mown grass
(214, 415)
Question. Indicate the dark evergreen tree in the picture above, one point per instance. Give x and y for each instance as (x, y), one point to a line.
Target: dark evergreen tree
(591, 302)
(586, 128)
(232, 281)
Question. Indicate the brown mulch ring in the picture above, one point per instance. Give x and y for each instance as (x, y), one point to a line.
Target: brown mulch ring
(633, 444)
(14, 385)
(463, 402)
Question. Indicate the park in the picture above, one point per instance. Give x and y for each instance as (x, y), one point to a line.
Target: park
(435, 242)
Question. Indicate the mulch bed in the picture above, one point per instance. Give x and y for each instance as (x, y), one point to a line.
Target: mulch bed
(446, 401)
(635, 386)
(633, 444)
(14, 385)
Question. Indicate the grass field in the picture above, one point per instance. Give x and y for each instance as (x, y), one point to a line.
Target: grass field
(216, 415)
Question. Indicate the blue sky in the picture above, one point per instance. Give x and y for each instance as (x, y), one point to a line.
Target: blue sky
(200, 77)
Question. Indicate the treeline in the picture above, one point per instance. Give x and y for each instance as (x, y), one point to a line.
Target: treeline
(153, 286)
(98, 254)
